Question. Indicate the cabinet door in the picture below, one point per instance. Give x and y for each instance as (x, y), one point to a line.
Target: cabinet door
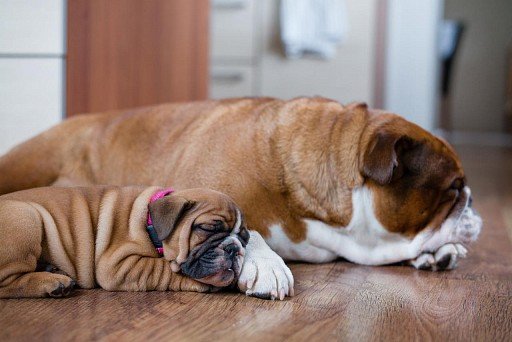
(131, 53)
(31, 98)
(232, 30)
(231, 81)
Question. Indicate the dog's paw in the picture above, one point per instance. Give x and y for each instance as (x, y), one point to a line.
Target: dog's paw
(61, 287)
(445, 258)
(264, 273)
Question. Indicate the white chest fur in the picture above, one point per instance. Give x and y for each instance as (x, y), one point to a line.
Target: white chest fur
(363, 241)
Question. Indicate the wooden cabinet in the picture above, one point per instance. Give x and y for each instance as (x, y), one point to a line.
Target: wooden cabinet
(130, 53)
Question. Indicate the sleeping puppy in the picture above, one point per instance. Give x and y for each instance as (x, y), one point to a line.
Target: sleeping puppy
(118, 238)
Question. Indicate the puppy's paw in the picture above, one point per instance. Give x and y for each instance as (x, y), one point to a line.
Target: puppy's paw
(445, 258)
(264, 273)
(60, 287)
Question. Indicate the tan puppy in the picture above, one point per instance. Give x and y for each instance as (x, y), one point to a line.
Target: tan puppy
(96, 236)
(317, 179)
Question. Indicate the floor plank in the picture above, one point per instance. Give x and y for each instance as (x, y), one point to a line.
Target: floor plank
(333, 301)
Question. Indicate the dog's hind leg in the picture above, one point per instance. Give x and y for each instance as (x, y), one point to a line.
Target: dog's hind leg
(49, 157)
(31, 164)
(37, 284)
(46, 267)
(21, 231)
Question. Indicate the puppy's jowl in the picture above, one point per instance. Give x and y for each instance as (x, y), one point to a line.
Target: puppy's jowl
(118, 238)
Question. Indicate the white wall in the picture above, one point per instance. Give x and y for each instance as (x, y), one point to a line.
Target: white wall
(32, 59)
(31, 91)
(412, 67)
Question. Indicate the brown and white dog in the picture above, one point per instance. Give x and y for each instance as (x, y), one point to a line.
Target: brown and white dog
(318, 180)
(97, 236)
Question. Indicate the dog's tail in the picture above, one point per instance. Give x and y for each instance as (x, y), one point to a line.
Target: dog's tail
(38, 161)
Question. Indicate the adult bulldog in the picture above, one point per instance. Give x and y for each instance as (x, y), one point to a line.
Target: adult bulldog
(318, 180)
(118, 238)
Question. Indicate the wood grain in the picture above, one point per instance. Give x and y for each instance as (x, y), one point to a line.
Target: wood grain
(129, 53)
(335, 301)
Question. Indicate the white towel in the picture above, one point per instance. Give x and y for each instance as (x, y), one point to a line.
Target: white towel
(313, 26)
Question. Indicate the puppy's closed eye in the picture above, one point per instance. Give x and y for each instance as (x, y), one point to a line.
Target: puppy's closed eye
(215, 226)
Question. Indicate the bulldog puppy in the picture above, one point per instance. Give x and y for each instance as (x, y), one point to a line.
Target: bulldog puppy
(316, 180)
(118, 238)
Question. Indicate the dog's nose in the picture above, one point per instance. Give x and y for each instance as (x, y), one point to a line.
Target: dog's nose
(231, 249)
(470, 201)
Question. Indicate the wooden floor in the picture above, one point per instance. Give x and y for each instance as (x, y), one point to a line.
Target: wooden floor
(336, 301)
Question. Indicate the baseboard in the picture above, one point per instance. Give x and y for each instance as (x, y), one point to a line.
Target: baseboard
(476, 138)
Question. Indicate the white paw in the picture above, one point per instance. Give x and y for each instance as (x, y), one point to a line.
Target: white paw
(264, 273)
(445, 258)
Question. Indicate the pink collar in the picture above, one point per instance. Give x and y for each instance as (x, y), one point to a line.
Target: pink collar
(149, 225)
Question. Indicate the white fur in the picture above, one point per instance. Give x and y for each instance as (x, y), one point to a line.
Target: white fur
(238, 223)
(264, 273)
(430, 260)
(365, 240)
(303, 251)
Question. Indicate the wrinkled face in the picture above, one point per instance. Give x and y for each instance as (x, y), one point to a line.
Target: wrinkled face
(204, 234)
(417, 183)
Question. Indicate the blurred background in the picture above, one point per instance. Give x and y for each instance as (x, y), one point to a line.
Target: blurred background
(446, 65)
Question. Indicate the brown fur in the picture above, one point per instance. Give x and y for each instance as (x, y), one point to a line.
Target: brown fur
(410, 173)
(96, 236)
(281, 161)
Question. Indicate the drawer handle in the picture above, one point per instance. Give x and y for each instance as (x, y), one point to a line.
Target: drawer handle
(229, 4)
(227, 77)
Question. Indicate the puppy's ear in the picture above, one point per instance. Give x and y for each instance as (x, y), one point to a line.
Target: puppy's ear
(381, 159)
(167, 212)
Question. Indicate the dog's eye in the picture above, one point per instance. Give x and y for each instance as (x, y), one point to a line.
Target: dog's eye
(215, 226)
(218, 225)
(203, 227)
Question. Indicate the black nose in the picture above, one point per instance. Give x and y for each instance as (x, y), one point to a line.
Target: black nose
(231, 249)
(470, 202)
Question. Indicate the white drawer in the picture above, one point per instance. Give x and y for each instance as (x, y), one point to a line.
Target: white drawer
(232, 81)
(32, 26)
(31, 98)
(231, 30)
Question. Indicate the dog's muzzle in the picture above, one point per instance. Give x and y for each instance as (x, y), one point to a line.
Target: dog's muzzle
(216, 262)
(467, 221)
(463, 224)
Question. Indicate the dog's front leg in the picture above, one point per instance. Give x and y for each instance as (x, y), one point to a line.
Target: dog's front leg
(138, 273)
(264, 273)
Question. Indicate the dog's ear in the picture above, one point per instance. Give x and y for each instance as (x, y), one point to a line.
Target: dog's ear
(167, 212)
(381, 161)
